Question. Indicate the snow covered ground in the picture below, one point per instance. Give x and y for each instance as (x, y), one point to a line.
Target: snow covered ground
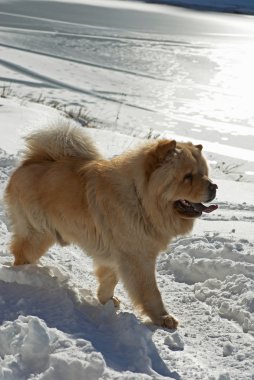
(139, 74)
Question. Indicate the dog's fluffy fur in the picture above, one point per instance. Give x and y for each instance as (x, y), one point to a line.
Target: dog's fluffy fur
(122, 212)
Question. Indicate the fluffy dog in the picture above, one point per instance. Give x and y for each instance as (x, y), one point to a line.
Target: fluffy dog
(122, 211)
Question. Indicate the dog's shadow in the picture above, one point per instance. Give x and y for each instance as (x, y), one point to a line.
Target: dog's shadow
(124, 342)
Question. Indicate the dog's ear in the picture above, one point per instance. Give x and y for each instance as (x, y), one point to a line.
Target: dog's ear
(158, 154)
(199, 146)
(165, 148)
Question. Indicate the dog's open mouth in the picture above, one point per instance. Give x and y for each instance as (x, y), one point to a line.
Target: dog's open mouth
(192, 210)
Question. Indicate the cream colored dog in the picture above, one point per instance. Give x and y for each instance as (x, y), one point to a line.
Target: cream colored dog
(122, 212)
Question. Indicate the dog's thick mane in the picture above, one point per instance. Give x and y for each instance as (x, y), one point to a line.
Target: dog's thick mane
(61, 139)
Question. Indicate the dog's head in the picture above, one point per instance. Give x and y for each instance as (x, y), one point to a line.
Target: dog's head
(178, 173)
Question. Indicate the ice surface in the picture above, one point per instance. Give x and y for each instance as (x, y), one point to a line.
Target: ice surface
(233, 6)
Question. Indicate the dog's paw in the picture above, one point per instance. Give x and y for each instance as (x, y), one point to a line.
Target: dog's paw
(116, 302)
(169, 322)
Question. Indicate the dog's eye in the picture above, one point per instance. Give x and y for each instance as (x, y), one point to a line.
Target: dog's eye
(188, 177)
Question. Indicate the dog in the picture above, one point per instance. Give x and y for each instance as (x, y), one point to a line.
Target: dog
(123, 212)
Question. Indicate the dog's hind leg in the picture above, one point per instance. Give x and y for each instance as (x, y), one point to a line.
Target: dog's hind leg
(28, 249)
(107, 279)
(29, 240)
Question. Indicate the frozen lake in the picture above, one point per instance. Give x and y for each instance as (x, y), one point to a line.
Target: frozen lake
(159, 68)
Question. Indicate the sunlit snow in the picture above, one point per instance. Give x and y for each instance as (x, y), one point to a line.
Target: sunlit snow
(139, 71)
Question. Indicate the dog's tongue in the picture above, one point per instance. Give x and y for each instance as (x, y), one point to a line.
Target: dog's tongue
(202, 208)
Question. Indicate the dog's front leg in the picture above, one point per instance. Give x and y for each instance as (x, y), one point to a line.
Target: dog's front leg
(107, 279)
(138, 275)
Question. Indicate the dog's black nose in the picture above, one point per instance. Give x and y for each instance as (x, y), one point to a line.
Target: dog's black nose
(212, 187)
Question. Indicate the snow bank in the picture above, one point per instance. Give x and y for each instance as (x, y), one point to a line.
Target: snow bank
(234, 298)
(222, 273)
(29, 349)
(17, 119)
(78, 339)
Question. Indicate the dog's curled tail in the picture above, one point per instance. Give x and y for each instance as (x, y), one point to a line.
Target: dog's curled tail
(62, 138)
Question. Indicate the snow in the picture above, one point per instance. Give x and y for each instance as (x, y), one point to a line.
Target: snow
(174, 341)
(39, 349)
(136, 83)
(229, 268)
